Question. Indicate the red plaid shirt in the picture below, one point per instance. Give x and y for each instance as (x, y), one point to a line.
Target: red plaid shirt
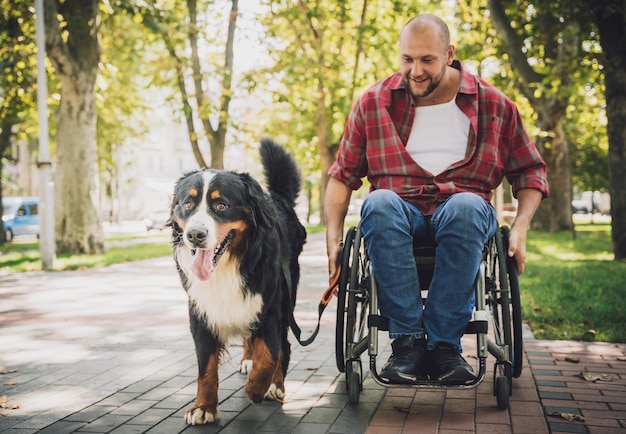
(378, 128)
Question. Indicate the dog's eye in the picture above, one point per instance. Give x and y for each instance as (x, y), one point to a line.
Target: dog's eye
(220, 206)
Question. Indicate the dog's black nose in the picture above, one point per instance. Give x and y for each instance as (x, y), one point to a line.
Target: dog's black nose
(197, 237)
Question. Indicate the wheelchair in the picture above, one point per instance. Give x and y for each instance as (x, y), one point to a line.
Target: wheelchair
(497, 303)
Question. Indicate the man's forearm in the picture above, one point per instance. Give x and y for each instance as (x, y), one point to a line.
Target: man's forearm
(336, 205)
(528, 201)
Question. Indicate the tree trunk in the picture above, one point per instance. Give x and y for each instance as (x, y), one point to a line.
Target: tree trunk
(75, 56)
(554, 213)
(77, 221)
(216, 136)
(610, 19)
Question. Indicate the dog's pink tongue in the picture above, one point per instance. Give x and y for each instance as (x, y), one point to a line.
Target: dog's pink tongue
(202, 264)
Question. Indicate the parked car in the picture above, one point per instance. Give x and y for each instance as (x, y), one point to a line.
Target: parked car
(156, 221)
(20, 216)
(592, 202)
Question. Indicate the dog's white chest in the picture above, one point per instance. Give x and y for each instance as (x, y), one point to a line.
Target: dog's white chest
(221, 302)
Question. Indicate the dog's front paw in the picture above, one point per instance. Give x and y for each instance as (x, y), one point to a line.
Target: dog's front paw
(275, 393)
(245, 366)
(199, 416)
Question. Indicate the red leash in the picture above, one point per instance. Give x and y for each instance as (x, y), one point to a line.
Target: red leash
(326, 297)
(332, 289)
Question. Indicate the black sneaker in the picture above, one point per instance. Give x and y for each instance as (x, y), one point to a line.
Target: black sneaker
(404, 364)
(447, 366)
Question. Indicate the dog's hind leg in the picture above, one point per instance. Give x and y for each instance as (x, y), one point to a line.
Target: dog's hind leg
(245, 365)
(263, 367)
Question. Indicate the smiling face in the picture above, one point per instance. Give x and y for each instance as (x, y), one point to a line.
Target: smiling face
(425, 53)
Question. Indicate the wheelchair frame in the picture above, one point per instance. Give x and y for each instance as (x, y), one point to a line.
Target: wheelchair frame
(497, 301)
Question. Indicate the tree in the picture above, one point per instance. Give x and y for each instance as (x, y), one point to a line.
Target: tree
(72, 31)
(609, 17)
(187, 38)
(543, 45)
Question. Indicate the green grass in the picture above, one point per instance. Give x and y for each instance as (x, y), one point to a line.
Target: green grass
(25, 257)
(571, 289)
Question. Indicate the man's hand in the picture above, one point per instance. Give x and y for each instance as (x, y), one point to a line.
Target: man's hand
(527, 202)
(334, 259)
(517, 246)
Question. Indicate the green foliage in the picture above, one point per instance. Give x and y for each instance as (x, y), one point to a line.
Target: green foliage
(18, 74)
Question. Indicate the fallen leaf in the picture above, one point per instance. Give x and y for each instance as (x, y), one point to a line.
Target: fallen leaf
(568, 416)
(10, 383)
(3, 404)
(594, 376)
(572, 359)
(621, 358)
(11, 371)
(404, 410)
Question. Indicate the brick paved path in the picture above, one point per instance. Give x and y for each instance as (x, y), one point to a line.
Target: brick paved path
(109, 350)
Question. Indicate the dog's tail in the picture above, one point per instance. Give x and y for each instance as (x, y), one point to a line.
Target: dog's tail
(281, 171)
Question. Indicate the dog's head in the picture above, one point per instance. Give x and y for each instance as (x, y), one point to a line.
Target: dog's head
(215, 213)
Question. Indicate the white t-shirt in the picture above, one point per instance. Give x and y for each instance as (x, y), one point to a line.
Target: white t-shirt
(438, 136)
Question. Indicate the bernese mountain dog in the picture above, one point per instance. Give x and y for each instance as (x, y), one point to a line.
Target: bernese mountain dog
(236, 248)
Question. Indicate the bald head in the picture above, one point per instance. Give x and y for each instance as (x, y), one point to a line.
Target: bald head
(428, 22)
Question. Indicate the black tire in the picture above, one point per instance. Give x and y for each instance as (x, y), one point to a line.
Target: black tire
(516, 310)
(502, 391)
(344, 280)
(505, 304)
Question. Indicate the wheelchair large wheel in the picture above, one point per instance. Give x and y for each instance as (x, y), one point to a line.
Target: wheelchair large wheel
(352, 310)
(506, 312)
(516, 308)
(342, 290)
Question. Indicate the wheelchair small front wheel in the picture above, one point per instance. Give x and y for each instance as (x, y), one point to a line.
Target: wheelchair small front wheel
(353, 381)
(503, 391)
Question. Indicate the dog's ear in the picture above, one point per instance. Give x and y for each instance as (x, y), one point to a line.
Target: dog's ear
(262, 212)
(263, 242)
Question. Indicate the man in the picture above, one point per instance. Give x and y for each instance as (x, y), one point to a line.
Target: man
(434, 141)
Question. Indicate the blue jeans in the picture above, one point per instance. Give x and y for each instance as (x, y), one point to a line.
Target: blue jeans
(461, 226)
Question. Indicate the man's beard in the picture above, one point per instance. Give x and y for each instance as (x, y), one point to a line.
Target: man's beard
(434, 83)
